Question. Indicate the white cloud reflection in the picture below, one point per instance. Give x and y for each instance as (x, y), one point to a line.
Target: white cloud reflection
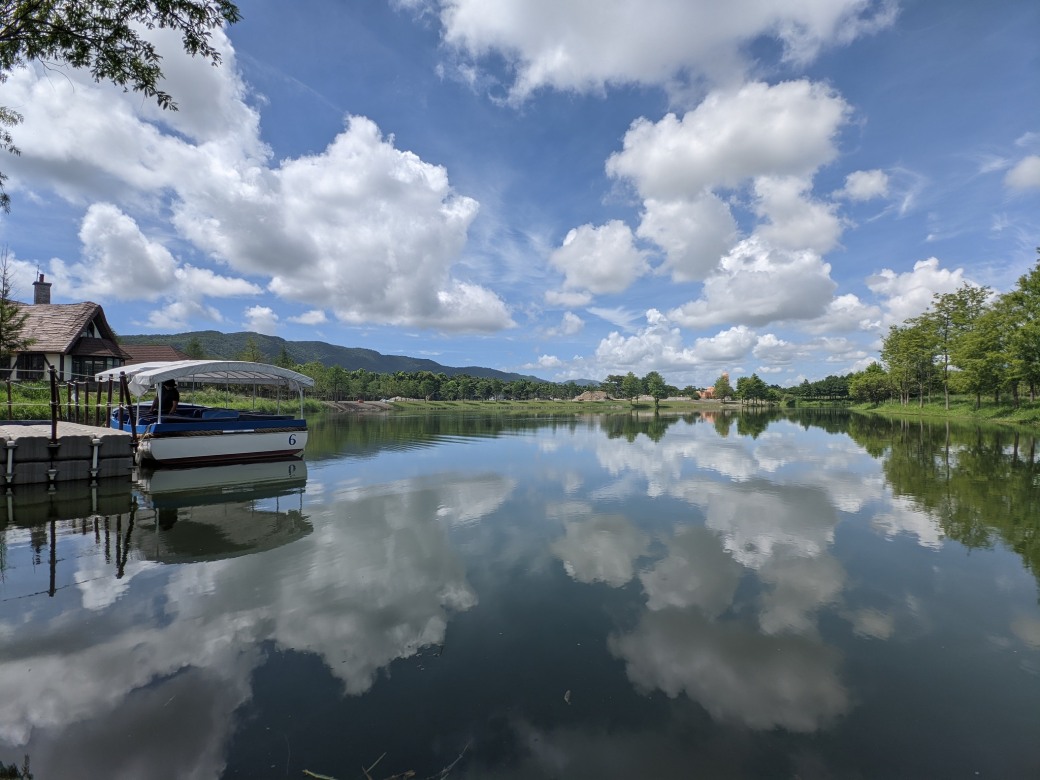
(376, 581)
(601, 549)
(736, 674)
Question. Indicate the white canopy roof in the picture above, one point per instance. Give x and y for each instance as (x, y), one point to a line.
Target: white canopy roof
(142, 377)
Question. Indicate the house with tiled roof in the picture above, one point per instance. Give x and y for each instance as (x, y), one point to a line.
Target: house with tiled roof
(151, 353)
(75, 338)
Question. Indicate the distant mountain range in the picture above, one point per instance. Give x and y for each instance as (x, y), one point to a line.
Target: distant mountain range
(232, 345)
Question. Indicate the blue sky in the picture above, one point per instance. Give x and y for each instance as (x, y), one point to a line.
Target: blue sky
(565, 188)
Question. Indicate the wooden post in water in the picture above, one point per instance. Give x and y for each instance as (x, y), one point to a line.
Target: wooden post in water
(108, 408)
(121, 559)
(53, 560)
(10, 406)
(124, 387)
(55, 403)
(68, 402)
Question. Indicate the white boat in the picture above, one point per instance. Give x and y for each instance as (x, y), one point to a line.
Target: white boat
(196, 435)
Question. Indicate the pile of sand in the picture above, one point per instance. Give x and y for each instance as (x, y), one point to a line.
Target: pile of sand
(592, 395)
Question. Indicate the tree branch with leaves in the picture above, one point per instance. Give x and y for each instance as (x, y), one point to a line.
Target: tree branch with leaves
(105, 37)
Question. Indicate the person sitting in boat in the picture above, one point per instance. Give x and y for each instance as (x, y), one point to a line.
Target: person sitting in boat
(170, 397)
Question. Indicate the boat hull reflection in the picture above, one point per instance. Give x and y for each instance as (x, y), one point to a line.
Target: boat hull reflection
(216, 512)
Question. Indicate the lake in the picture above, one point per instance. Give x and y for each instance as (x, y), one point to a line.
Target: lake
(711, 596)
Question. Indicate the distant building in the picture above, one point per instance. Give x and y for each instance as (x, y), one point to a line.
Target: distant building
(709, 392)
(75, 338)
(151, 353)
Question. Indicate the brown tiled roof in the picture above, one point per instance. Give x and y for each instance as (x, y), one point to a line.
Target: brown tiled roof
(56, 327)
(147, 353)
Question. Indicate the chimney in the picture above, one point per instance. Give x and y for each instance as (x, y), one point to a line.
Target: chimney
(41, 291)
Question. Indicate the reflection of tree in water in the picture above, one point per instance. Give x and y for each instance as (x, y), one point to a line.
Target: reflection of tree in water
(753, 423)
(979, 483)
(870, 432)
(831, 419)
(334, 435)
(629, 426)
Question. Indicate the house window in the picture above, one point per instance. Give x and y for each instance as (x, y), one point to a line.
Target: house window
(30, 366)
(84, 368)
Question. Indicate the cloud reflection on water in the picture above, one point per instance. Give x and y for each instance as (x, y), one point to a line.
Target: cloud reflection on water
(374, 583)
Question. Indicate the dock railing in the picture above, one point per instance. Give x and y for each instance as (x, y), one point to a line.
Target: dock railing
(87, 403)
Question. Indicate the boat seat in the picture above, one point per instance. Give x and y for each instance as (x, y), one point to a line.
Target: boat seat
(219, 414)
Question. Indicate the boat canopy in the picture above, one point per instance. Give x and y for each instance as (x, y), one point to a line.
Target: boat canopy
(142, 377)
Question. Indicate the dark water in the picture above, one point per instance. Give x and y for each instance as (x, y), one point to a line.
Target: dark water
(737, 597)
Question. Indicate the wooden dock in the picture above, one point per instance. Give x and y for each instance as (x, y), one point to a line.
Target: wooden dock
(41, 453)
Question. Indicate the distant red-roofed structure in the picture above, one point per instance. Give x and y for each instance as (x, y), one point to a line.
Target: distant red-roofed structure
(152, 353)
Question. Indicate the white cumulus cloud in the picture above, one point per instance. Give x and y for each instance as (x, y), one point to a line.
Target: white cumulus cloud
(786, 129)
(362, 229)
(587, 46)
(1025, 175)
(772, 138)
(600, 259)
(312, 317)
(261, 319)
(794, 220)
(570, 325)
(865, 185)
(905, 295)
(757, 284)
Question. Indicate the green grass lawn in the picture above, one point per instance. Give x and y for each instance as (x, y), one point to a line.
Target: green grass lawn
(963, 408)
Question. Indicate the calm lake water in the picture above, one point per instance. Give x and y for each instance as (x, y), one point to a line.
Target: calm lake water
(733, 596)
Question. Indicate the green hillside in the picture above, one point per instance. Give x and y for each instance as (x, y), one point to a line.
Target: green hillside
(231, 346)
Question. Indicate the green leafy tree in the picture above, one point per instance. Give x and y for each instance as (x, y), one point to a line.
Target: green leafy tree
(428, 384)
(194, 349)
(872, 385)
(104, 37)
(334, 383)
(251, 351)
(612, 385)
(723, 389)
(655, 387)
(13, 338)
(315, 371)
(909, 353)
(751, 388)
(983, 353)
(284, 360)
(950, 318)
(631, 387)
(1021, 312)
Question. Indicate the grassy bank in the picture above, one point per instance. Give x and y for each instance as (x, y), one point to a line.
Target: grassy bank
(961, 408)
